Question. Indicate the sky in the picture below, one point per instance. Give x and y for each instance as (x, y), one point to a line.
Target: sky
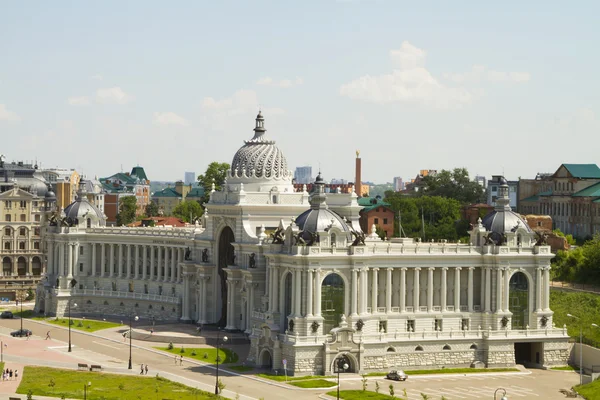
(496, 87)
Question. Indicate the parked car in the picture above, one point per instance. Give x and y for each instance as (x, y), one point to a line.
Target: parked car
(21, 333)
(397, 376)
(6, 314)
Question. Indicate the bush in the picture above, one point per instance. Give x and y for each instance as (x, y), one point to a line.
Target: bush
(170, 346)
(193, 352)
(80, 324)
(205, 356)
(182, 351)
(364, 383)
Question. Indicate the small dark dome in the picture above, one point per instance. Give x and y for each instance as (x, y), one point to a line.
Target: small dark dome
(50, 195)
(320, 220)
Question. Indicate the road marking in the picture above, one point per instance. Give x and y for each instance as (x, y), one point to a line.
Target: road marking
(107, 345)
(461, 392)
(59, 347)
(520, 389)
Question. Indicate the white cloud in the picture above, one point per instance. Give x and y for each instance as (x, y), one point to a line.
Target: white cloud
(410, 83)
(96, 77)
(114, 95)
(283, 83)
(7, 115)
(169, 118)
(78, 100)
(223, 114)
(480, 73)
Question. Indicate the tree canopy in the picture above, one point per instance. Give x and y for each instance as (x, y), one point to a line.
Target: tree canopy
(127, 209)
(581, 264)
(428, 217)
(189, 211)
(216, 173)
(454, 184)
(152, 209)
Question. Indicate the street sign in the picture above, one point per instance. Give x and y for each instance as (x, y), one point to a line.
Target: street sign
(284, 362)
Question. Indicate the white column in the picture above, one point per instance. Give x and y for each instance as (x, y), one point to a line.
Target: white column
(179, 260)
(251, 302)
(470, 290)
(50, 265)
(403, 290)
(93, 268)
(61, 260)
(201, 300)
(185, 307)
(354, 293)
(75, 264)
(374, 290)
(362, 307)
(506, 288)
(457, 289)
(69, 262)
(120, 260)
(166, 263)
(152, 257)
(111, 261)
(144, 261)
(231, 312)
(275, 274)
(430, 289)
(538, 290)
(499, 290)
(317, 293)
(482, 290)
(298, 293)
(488, 289)
(309, 292)
(128, 250)
(388, 290)
(173, 260)
(444, 291)
(102, 259)
(547, 289)
(416, 290)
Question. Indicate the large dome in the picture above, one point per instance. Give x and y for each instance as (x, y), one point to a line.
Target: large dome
(79, 211)
(260, 157)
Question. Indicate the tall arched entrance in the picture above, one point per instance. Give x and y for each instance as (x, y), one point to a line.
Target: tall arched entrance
(226, 255)
(265, 360)
(21, 266)
(518, 300)
(36, 266)
(332, 301)
(338, 364)
(6, 266)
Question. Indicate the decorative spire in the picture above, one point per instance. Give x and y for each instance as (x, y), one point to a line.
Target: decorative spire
(259, 128)
(503, 201)
(317, 195)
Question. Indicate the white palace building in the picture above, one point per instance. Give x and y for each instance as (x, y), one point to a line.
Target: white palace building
(295, 273)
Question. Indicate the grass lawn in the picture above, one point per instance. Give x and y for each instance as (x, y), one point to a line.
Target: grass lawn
(206, 354)
(359, 395)
(449, 371)
(43, 381)
(565, 368)
(88, 325)
(281, 378)
(240, 368)
(589, 391)
(583, 305)
(313, 383)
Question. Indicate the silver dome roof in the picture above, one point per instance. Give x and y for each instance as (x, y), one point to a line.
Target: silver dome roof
(82, 209)
(260, 157)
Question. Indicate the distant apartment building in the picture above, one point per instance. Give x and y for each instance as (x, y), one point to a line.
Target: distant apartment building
(417, 184)
(494, 188)
(335, 181)
(378, 213)
(303, 175)
(398, 184)
(169, 198)
(480, 179)
(571, 196)
(189, 178)
(94, 191)
(134, 183)
(65, 183)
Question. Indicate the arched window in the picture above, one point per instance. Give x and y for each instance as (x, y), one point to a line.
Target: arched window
(333, 240)
(419, 348)
(519, 300)
(391, 350)
(89, 222)
(473, 347)
(446, 347)
(332, 301)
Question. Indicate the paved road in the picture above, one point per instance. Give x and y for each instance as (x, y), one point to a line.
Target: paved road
(108, 349)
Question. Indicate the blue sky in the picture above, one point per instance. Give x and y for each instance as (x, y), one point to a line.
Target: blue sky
(490, 86)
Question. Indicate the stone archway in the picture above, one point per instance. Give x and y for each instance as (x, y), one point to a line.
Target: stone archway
(346, 358)
(518, 300)
(22, 266)
(36, 266)
(226, 257)
(265, 360)
(7, 266)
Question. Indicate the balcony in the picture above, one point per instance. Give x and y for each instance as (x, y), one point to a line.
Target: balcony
(120, 295)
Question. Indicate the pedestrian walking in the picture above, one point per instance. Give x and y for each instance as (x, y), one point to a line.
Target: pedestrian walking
(16, 374)
(124, 336)
(175, 358)
(180, 360)
(3, 375)
(27, 335)
(146, 369)
(48, 336)
(151, 331)
(142, 369)
(10, 374)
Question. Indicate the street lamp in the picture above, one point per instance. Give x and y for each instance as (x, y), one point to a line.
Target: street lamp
(224, 340)
(69, 309)
(22, 288)
(130, 330)
(503, 394)
(85, 389)
(580, 349)
(341, 365)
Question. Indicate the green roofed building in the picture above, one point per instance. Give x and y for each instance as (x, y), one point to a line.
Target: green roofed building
(570, 196)
(121, 184)
(168, 198)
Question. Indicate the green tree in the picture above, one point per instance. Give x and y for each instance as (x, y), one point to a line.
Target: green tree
(454, 184)
(152, 209)
(216, 173)
(189, 211)
(127, 209)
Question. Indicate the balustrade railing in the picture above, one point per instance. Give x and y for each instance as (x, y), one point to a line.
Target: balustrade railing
(120, 294)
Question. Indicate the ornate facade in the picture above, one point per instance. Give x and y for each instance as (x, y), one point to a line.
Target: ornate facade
(296, 273)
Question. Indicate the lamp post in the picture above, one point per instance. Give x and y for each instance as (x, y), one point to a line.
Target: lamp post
(22, 288)
(218, 345)
(580, 349)
(341, 365)
(136, 318)
(69, 309)
(503, 394)
(85, 389)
